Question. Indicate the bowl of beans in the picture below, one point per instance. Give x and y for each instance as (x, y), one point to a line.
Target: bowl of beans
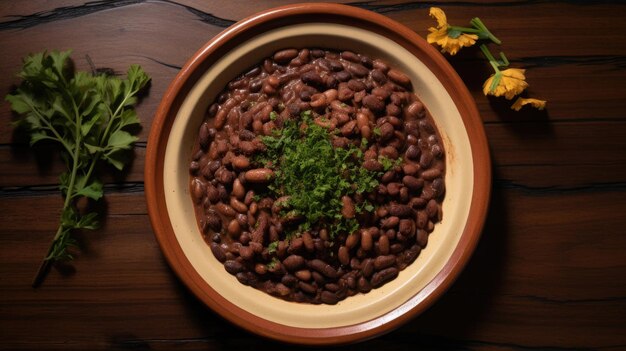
(317, 174)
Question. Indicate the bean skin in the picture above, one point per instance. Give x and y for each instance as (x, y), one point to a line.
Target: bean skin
(238, 205)
(422, 219)
(349, 128)
(426, 159)
(422, 238)
(307, 288)
(218, 252)
(363, 285)
(399, 78)
(412, 152)
(432, 209)
(373, 165)
(323, 268)
(412, 182)
(373, 103)
(344, 255)
(438, 187)
(303, 274)
(379, 76)
(329, 298)
(225, 210)
(406, 227)
(366, 240)
(238, 190)
(308, 241)
(246, 252)
(259, 175)
(401, 210)
(233, 267)
(358, 70)
(213, 221)
(431, 174)
(350, 56)
(368, 268)
(383, 244)
(234, 228)
(390, 222)
(348, 209)
(293, 262)
(384, 261)
(382, 277)
(198, 189)
(386, 131)
(285, 56)
(353, 239)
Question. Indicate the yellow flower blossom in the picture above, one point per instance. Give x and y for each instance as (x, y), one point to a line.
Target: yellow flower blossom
(440, 35)
(440, 16)
(511, 83)
(539, 104)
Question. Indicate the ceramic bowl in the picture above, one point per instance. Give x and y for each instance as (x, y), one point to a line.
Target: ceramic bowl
(245, 44)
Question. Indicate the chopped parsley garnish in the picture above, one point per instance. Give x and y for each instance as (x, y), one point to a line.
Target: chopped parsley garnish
(315, 174)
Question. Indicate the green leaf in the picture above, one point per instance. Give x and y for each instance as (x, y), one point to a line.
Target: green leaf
(93, 190)
(271, 248)
(18, 104)
(88, 221)
(59, 60)
(93, 148)
(58, 106)
(116, 160)
(86, 127)
(69, 217)
(38, 136)
(128, 117)
(86, 110)
(121, 139)
(137, 77)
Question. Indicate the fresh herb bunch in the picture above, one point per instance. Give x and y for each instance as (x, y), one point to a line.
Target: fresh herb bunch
(89, 117)
(315, 174)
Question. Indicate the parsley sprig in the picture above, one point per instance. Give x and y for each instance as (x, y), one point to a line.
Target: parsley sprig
(315, 174)
(89, 116)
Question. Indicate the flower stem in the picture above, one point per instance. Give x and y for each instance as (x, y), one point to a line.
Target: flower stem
(489, 56)
(477, 23)
(496, 67)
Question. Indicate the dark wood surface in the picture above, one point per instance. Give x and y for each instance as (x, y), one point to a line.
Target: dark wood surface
(549, 272)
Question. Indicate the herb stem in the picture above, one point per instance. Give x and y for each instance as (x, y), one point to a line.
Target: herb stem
(47, 261)
(114, 114)
(51, 128)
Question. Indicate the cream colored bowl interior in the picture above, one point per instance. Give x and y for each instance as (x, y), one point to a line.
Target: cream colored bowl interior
(361, 307)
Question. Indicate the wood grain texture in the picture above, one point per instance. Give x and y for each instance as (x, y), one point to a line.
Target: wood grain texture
(549, 272)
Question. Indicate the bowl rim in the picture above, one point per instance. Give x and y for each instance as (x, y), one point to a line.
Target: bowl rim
(246, 29)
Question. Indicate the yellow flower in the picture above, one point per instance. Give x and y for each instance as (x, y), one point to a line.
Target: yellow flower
(511, 82)
(440, 16)
(539, 104)
(440, 35)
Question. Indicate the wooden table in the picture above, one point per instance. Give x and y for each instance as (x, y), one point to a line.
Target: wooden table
(550, 269)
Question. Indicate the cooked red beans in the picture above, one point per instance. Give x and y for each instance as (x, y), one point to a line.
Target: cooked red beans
(356, 98)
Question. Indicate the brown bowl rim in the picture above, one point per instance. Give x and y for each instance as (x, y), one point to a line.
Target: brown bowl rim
(302, 13)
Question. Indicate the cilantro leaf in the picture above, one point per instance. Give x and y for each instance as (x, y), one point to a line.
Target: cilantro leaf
(88, 116)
